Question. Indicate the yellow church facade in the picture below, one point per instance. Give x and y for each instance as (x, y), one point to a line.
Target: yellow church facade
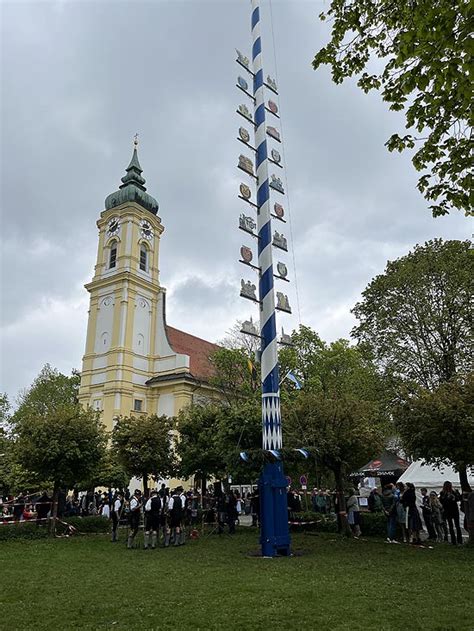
(134, 362)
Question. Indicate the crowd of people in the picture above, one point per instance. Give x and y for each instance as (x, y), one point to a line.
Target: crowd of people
(405, 512)
(167, 515)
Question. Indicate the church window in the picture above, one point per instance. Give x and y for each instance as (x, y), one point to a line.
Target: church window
(143, 257)
(137, 405)
(113, 254)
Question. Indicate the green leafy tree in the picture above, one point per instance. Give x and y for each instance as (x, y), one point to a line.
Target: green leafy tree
(417, 317)
(438, 426)
(426, 46)
(341, 412)
(50, 390)
(236, 374)
(197, 448)
(144, 446)
(211, 437)
(108, 472)
(62, 445)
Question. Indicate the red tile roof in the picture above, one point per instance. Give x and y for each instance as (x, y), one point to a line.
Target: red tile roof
(199, 351)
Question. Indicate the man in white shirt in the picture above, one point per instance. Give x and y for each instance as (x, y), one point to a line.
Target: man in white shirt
(134, 516)
(116, 514)
(152, 519)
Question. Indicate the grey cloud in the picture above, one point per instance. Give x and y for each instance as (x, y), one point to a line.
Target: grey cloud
(80, 78)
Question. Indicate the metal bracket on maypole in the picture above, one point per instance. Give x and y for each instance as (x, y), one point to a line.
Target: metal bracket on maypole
(274, 537)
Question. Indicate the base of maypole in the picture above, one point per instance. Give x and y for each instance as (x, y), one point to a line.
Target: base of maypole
(274, 530)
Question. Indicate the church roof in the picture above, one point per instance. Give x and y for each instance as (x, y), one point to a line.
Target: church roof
(199, 352)
(132, 188)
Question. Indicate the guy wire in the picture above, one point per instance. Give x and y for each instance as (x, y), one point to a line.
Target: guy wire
(285, 172)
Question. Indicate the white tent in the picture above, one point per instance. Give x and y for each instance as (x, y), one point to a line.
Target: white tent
(426, 475)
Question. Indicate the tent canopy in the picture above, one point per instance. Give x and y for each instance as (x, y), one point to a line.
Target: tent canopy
(432, 477)
(387, 464)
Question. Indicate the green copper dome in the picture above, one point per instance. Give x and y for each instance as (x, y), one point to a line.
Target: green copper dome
(133, 189)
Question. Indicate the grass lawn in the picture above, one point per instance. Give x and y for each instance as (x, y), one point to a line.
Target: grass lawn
(213, 583)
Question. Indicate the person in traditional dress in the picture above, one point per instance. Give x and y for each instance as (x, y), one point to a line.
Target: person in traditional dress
(134, 516)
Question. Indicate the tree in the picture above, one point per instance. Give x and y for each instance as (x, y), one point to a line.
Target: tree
(62, 445)
(438, 426)
(50, 390)
(417, 317)
(236, 340)
(144, 446)
(426, 45)
(211, 437)
(341, 412)
(236, 374)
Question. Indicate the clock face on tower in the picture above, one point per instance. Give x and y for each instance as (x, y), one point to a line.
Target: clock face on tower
(113, 227)
(146, 230)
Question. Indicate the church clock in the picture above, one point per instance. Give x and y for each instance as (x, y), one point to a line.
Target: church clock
(113, 227)
(146, 230)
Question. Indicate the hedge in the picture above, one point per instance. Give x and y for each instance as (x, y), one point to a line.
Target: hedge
(314, 521)
(372, 524)
(29, 529)
(93, 523)
(22, 530)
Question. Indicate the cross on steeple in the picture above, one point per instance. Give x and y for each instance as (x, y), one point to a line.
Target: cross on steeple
(135, 140)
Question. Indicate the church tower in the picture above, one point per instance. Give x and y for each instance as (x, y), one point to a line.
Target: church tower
(134, 363)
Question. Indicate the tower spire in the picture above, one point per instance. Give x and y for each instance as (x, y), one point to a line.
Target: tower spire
(133, 187)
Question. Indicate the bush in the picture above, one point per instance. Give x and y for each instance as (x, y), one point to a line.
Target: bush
(29, 529)
(88, 524)
(318, 522)
(373, 524)
(22, 530)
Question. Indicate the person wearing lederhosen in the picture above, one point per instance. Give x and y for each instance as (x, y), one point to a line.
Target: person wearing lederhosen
(152, 519)
(134, 516)
(175, 516)
(115, 515)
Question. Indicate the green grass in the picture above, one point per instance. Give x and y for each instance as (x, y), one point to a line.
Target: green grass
(213, 583)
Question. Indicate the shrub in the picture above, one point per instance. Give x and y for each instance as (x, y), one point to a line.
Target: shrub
(373, 524)
(318, 522)
(88, 524)
(22, 530)
(29, 530)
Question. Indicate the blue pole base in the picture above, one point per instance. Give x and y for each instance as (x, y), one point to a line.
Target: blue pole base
(274, 531)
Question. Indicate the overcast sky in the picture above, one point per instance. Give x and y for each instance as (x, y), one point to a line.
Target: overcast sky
(80, 78)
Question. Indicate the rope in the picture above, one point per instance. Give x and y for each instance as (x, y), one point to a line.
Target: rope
(290, 224)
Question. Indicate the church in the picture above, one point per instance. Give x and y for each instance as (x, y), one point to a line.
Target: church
(134, 362)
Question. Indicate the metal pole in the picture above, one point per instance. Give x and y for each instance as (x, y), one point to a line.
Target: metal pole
(274, 537)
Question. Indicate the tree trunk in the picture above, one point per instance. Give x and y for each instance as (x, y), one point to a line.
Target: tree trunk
(466, 490)
(339, 475)
(145, 484)
(54, 510)
(203, 487)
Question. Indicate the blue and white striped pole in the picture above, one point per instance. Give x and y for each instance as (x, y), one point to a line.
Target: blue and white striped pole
(275, 537)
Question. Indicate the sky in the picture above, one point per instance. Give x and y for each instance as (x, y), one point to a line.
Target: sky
(79, 79)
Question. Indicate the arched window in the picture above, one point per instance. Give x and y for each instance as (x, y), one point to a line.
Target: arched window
(143, 257)
(113, 254)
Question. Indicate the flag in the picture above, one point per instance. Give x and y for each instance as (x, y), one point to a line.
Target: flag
(292, 378)
(252, 369)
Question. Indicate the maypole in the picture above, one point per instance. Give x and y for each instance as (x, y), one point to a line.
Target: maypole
(274, 539)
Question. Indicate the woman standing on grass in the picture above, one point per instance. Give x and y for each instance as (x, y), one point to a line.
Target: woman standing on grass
(449, 499)
(400, 509)
(413, 516)
(353, 513)
(438, 517)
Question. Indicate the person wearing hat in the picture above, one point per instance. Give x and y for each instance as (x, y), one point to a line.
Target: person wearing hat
(175, 512)
(134, 516)
(152, 519)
